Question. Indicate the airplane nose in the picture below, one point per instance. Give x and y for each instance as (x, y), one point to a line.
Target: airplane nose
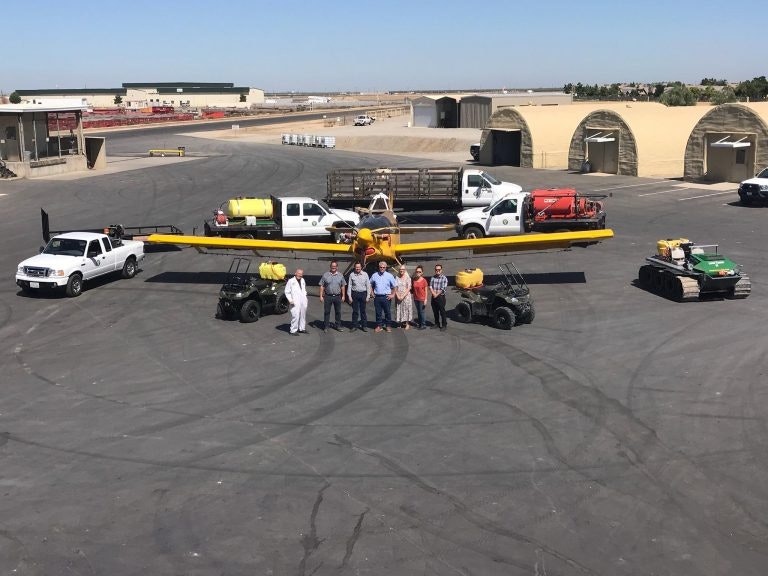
(365, 235)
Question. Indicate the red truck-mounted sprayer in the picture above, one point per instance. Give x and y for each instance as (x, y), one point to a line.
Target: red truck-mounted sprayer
(554, 210)
(564, 208)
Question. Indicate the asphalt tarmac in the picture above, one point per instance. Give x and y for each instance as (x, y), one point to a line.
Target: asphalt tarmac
(618, 434)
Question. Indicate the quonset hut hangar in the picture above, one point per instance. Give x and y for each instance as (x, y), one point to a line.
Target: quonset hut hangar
(723, 143)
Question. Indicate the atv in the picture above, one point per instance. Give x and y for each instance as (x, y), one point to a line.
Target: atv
(247, 296)
(506, 304)
(684, 271)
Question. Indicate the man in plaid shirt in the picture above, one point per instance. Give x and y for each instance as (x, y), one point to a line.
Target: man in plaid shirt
(437, 285)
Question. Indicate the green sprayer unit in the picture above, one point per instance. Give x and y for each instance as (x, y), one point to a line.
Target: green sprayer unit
(684, 271)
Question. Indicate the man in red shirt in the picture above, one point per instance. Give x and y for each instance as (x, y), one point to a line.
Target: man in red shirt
(419, 288)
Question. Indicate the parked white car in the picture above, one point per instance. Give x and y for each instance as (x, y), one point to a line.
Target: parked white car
(364, 120)
(73, 258)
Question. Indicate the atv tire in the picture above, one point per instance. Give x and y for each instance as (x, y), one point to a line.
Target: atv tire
(504, 318)
(250, 311)
(527, 314)
(463, 312)
(223, 312)
(282, 305)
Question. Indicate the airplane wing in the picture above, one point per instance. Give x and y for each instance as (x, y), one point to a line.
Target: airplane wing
(249, 244)
(508, 243)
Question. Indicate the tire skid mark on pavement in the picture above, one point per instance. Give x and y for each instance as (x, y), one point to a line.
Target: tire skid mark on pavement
(285, 379)
(582, 446)
(702, 501)
(14, 556)
(377, 377)
(477, 519)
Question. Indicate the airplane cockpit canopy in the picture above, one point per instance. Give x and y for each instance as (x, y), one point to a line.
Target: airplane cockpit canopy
(374, 222)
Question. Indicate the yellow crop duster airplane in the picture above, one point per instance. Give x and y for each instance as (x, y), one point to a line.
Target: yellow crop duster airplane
(377, 237)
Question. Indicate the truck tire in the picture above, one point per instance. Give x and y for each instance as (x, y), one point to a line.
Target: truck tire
(463, 312)
(527, 214)
(74, 285)
(473, 231)
(282, 305)
(129, 267)
(504, 318)
(250, 311)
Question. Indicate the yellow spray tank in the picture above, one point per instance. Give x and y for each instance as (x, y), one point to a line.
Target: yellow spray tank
(664, 247)
(469, 278)
(272, 271)
(242, 207)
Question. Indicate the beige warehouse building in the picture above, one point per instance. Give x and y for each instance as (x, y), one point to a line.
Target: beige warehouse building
(141, 95)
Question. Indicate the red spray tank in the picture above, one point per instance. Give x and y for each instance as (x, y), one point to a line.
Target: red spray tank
(562, 203)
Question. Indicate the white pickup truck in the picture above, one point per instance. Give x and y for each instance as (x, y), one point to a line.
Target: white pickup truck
(755, 189)
(72, 258)
(273, 218)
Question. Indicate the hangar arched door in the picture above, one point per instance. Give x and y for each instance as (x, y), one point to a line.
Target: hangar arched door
(506, 147)
(729, 157)
(603, 150)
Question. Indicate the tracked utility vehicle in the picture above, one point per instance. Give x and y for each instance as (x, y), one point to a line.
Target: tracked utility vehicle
(247, 296)
(505, 304)
(684, 271)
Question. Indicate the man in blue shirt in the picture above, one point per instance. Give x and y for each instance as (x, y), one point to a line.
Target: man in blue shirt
(383, 289)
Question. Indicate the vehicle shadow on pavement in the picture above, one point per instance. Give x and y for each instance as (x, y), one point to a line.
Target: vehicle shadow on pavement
(542, 278)
(188, 278)
(158, 248)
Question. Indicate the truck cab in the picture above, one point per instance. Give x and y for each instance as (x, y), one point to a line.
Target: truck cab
(504, 217)
(478, 188)
(310, 217)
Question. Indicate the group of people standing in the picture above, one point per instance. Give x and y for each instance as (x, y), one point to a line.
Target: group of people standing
(359, 288)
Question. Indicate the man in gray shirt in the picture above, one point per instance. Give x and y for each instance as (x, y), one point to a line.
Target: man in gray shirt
(332, 292)
(359, 293)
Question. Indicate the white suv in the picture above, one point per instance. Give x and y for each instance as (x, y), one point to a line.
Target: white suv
(363, 120)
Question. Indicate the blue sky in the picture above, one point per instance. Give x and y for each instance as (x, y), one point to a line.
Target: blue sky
(385, 45)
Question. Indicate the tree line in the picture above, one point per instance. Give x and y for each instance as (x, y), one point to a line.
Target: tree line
(674, 93)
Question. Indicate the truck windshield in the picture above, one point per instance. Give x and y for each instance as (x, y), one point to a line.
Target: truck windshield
(491, 179)
(763, 173)
(325, 206)
(65, 247)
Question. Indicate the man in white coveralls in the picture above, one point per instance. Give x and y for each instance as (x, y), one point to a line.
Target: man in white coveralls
(296, 292)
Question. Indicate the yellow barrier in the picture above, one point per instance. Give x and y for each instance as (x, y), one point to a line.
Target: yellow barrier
(180, 151)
